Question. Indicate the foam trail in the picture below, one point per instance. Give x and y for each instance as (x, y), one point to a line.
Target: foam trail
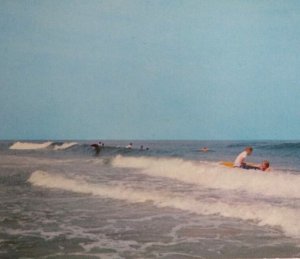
(64, 146)
(261, 213)
(30, 146)
(212, 175)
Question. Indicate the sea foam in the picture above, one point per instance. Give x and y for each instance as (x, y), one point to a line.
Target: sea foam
(214, 175)
(48, 144)
(29, 145)
(261, 213)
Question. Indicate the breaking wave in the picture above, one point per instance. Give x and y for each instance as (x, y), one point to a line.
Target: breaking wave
(34, 146)
(214, 175)
(29, 145)
(260, 212)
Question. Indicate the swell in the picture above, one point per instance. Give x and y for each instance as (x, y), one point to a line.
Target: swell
(268, 146)
(290, 146)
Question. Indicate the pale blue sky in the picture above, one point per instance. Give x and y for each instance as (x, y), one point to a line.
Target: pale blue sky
(169, 69)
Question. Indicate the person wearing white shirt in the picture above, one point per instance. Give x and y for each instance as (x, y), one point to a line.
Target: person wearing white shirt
(240, 159)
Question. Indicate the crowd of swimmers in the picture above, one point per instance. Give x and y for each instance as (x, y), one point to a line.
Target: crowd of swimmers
(130, 146)
(98, 146)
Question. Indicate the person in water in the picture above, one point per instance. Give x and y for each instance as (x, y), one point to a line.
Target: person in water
(97, 147)
(264, 166)
(129, 146)
(204, 149)
(240, 159)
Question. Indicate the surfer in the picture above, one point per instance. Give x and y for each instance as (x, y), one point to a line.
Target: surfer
(129, 146)
(204, 149)
(97, 147)
(240, 159)
(264, 166)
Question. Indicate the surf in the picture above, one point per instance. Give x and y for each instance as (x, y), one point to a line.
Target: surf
(214, 175)
(29, 145)
(45, 145)
(259, 212)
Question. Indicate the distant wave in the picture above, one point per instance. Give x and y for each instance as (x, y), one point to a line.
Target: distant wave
(213, 175)
(44, 145)
(29, 145)
(74, 148)
(267, 145)
(288, 146)
(64, 146)
(242, 145)
(260, 212)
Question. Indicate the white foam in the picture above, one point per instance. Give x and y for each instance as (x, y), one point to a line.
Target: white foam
(64, 146)
(260, 212)
(30, 146)
(213, 175)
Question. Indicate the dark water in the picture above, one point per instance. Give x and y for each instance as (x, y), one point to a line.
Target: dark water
(62, 200)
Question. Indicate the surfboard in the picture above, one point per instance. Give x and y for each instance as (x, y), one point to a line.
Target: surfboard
(231, 164)
(227, 163)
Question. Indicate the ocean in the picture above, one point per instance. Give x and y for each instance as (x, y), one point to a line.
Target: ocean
(62, 199)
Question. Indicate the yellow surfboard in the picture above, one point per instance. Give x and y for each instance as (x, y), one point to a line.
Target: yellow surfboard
(227, 163)
(231, 165)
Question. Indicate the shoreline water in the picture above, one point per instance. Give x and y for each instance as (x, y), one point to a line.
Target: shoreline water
(171, 201)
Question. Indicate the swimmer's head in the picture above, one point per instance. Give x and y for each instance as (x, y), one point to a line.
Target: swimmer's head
(249, 150)
(265, 165)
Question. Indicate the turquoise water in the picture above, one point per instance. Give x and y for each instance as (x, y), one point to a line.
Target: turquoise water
(63, 200)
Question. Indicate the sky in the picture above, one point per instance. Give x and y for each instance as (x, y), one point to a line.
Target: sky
(150, 69)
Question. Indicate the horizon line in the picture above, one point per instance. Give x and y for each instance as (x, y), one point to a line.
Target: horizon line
(100, 139)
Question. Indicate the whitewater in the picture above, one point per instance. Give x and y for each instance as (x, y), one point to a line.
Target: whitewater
(62, 198)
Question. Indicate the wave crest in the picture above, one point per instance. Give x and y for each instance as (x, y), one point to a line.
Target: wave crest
(29, 146)
(214, 175)
(34, 146)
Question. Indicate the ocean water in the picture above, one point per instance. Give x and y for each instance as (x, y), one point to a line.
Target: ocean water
(63, 200)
